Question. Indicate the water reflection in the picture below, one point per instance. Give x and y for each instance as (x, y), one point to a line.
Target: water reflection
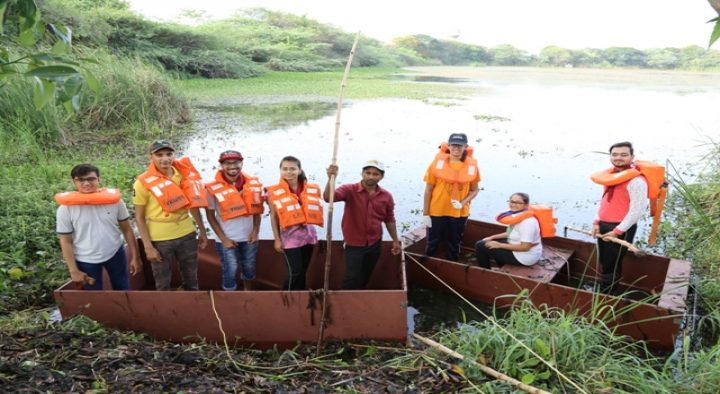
(535, 133)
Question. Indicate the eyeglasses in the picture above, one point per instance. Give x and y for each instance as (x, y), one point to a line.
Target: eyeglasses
(89, 179)
(516, 202)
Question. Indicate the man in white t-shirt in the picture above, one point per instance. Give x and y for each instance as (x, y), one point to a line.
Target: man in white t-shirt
(91, 225)
(234, 208)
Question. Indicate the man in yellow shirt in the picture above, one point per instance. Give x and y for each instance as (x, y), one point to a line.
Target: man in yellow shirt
(161, 214)
(451, 182)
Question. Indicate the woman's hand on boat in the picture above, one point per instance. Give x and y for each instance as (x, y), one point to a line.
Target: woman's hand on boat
(278, 246)
(78, 276)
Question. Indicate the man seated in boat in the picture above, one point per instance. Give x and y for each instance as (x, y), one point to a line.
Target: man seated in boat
(91, 225)
(367, 206)
(166, 195)
(623, 203)
(235, 203)
(521, 244)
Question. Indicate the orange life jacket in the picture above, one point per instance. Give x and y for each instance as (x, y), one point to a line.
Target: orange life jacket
(290, 210)
(171, 197)
(657, 187)
(100, 197)
(441, 169)
(542, 213)
(231, 203)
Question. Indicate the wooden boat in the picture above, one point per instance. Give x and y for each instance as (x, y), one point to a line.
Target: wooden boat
(262, 318)
(658, 285)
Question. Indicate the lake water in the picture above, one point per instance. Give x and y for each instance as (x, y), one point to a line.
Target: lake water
(533, 130)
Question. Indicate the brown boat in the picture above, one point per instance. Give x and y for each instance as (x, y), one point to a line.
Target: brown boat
(262, 318)
(270, 316)
(654, 288)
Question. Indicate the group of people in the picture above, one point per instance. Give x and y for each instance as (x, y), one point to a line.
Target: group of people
(93, 221)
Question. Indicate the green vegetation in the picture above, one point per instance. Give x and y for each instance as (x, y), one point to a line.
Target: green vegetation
(587, 353)
(362, 83)
(693, 231)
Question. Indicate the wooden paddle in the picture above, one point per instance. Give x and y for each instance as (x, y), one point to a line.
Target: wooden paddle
(638, 252)
(326, 279)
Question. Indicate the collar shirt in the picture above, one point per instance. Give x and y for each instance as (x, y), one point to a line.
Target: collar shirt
(364, 213)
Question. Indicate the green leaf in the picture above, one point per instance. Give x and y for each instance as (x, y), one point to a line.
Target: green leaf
(542, 347)
(715, 33)
(53, 72)
(72, 85)
(60, 47)
(72, 105)
(544, 375)
(3, 6)
(43, 91)
(528, 378)
(27, 8)
(92, 82)
(27, 37)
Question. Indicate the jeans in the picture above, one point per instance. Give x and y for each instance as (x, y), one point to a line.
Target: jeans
(501, 256)
(116, 268)
(359, 264)
(184, 249)
(243, 253)
(298, 261)
(450, 227)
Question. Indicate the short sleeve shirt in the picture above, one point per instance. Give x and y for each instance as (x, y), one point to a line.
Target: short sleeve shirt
(527, 231)
(95, 230)
(162, 228)
(440, 204)
(238, 229)
(364, 213)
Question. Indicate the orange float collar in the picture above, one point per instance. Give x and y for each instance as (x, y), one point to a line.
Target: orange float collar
(657, 187)
(542, 213)
(100, 197)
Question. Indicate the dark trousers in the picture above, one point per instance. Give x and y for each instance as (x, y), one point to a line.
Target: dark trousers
(501, 256)
(359, 265)
(116, 268)
(298, 261)
(450, 227)
(611, 255)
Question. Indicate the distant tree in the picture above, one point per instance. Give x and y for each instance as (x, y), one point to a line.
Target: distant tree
(508, 55)
(665, 58)
(624, 57)
(555, 56)
(587, 57)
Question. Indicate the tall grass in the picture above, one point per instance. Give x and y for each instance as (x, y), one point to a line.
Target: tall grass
(586, 352)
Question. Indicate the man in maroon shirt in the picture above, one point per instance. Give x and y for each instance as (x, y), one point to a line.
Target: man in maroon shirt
(367, 206)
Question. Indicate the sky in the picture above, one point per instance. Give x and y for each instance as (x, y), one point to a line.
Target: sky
(527, 24)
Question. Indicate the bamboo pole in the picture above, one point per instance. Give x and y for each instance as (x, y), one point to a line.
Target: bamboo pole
(487, 370)
(621, 242)
(326, 279)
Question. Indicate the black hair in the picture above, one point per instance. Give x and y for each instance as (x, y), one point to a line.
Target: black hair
(624, 144)
(525, 197)
(84, 169)
(464, 155)
(301, 178)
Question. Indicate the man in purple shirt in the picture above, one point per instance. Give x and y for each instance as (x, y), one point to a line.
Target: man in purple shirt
(367, 206)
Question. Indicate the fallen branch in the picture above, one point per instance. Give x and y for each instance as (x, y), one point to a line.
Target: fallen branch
(487, 370)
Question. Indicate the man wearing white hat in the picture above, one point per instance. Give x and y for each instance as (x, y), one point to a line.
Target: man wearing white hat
(367, 206)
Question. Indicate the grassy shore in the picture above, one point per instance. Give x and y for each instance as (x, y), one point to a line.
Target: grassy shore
(363, 83)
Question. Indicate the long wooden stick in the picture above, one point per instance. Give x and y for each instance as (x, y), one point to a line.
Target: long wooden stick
(326, 279)
(618, 241)
(487, 370)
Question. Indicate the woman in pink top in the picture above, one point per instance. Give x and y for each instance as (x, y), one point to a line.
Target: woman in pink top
(295, 242)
